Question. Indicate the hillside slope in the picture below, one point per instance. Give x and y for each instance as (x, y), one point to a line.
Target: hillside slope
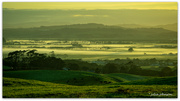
(87, 78)
(53, 84)
(20, 88)
(72, 77)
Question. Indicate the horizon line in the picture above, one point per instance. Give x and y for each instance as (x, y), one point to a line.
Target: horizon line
(87, 9)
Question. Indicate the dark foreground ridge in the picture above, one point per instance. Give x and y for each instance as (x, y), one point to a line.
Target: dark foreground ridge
(52, 84)
(81, 78)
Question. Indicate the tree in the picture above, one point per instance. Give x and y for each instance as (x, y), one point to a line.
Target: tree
(166, 71)
(85, 68)
(174, 72)
(132, 68)
(130, 49)
(52, 54)
(31, 53)
(4, 40)
(28, 59)
(110, 68)
(15, 57)
(54, 63)
(97, 70)
(73, 66)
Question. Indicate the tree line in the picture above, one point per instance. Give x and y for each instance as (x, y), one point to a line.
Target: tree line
(31, 60)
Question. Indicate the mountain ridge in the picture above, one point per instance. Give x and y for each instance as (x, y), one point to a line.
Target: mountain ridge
(90, 31)
(172, 27)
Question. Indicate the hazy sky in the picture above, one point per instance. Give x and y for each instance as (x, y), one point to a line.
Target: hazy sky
(90, 5)
(34, 14)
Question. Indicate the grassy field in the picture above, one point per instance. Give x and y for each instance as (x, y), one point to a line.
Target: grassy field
(77, 84)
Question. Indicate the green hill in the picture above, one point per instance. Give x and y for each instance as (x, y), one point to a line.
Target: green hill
(63, 77)
(21, 88)
(127, 77)
(154, 81)
(172, 27)
(86, 78)
(53, 84)
(72, 77)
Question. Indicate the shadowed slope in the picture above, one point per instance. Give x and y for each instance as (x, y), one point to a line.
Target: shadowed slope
(72, 77)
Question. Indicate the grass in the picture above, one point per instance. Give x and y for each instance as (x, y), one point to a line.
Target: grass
(20, 88)
(127, 77)
(72, 77)
(154, 81)
(58, 76)
(53, 84)
(6, 67)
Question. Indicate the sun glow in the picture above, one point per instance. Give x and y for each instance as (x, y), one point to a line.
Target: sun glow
(90, 5)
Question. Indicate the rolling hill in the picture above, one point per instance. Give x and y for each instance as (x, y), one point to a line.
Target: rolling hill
(171, 27)
(91, 31)
(53, 84)
(86, 78)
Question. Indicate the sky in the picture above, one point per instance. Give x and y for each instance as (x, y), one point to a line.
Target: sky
(90, 5)
(36, 14)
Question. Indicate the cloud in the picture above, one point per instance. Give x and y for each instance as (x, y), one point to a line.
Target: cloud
(80, 15)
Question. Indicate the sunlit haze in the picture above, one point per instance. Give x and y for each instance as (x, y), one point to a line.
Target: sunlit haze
(90, 5)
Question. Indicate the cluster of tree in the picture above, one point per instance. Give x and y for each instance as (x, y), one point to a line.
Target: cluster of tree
(144, 62)
(81, 65)
(130, 49)
(31, 60)
(4, 40)
(131, 68)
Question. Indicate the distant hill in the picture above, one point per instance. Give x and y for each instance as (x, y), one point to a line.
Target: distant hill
(91, 31)
(172, 27)
(133, 26)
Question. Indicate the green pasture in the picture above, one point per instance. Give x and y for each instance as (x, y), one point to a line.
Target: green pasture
(71, 77)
